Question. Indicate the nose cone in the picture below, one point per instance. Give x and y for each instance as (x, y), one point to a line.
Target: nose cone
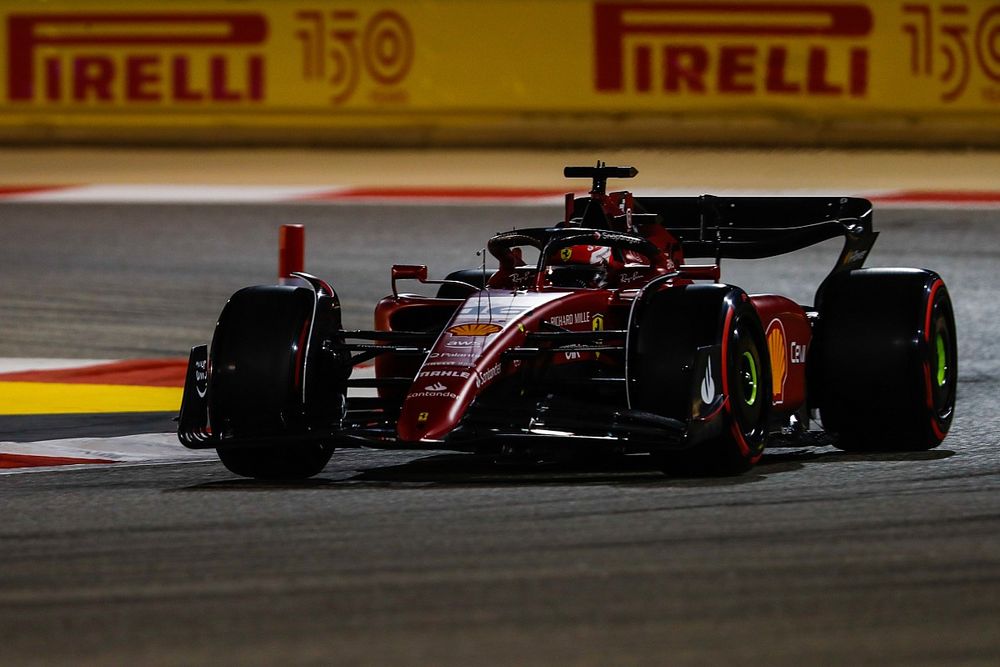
(465, 356)
(436, 403)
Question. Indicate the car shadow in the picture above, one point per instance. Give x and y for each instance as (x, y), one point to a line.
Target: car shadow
(477, 471)
(459, 471)
(781, 457)
(481, 471)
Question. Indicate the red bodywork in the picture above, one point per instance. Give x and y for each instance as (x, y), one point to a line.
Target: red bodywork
(468, 356)
(605, 342)
(466, 359)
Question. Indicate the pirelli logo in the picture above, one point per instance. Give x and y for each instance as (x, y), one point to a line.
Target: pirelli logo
(136, 57)
(732, 48)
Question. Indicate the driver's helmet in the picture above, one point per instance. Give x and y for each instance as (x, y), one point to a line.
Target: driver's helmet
(580, 266)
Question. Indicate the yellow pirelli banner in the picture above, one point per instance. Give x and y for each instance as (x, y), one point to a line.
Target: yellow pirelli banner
(602, 71)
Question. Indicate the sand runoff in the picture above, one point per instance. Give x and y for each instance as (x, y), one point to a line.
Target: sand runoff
(698, 169)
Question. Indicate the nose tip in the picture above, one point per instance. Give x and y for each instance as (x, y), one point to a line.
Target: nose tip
(412, 430)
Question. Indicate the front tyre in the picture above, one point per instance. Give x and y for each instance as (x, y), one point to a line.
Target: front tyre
(266, 384)
(282, 462)
(671, 326)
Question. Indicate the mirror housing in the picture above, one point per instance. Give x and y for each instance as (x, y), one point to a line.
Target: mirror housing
(408, 272)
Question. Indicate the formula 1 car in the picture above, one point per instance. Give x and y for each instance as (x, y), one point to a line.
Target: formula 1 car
(609, 341)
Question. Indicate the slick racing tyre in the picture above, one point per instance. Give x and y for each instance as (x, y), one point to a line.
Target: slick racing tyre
(280, 462)
(883, 364)
(255, 390)
(671, 326)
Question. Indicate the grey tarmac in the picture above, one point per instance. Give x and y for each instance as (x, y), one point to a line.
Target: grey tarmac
(815, 557)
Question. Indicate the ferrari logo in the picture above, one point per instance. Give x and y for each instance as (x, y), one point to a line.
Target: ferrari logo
(597, 324)
(566, 254)
(423, 417)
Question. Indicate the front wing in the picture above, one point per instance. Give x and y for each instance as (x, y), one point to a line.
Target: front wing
(490, 424)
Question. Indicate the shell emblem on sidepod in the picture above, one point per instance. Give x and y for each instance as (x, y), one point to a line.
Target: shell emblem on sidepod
(778, 348)
(474, 329)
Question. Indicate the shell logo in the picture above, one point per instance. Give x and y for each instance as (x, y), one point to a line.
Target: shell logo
(778, 349)
(476, 329)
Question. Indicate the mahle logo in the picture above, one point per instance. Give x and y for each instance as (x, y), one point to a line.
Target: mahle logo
(732, 48)
(136, 58)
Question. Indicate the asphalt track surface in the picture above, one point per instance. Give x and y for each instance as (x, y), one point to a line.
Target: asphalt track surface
(815, 557)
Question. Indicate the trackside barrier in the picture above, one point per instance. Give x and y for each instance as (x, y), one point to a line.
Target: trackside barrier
(908, 72)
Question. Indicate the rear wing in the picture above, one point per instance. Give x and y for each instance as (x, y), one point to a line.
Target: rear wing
(758, 227)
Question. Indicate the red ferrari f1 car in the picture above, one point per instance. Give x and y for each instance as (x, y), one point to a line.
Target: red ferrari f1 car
(609, 340)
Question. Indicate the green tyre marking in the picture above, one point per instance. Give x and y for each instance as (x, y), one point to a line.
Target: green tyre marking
(942, 367)
(748, 358)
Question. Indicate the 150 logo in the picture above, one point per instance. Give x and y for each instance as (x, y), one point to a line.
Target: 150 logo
(342, 46)
(948, 42)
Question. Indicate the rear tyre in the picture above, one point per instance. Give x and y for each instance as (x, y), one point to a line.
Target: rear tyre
(883, 365)
(671, 325)
(255, 392)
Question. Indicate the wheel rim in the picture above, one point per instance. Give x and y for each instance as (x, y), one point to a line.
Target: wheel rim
(942, 366)
(746, 377)
(942, 361)
(748, 373)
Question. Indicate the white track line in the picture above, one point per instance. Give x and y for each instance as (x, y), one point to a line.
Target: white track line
(341, 195)
(146, 448)
(140, 447)
(17, 365)
(175, 194)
